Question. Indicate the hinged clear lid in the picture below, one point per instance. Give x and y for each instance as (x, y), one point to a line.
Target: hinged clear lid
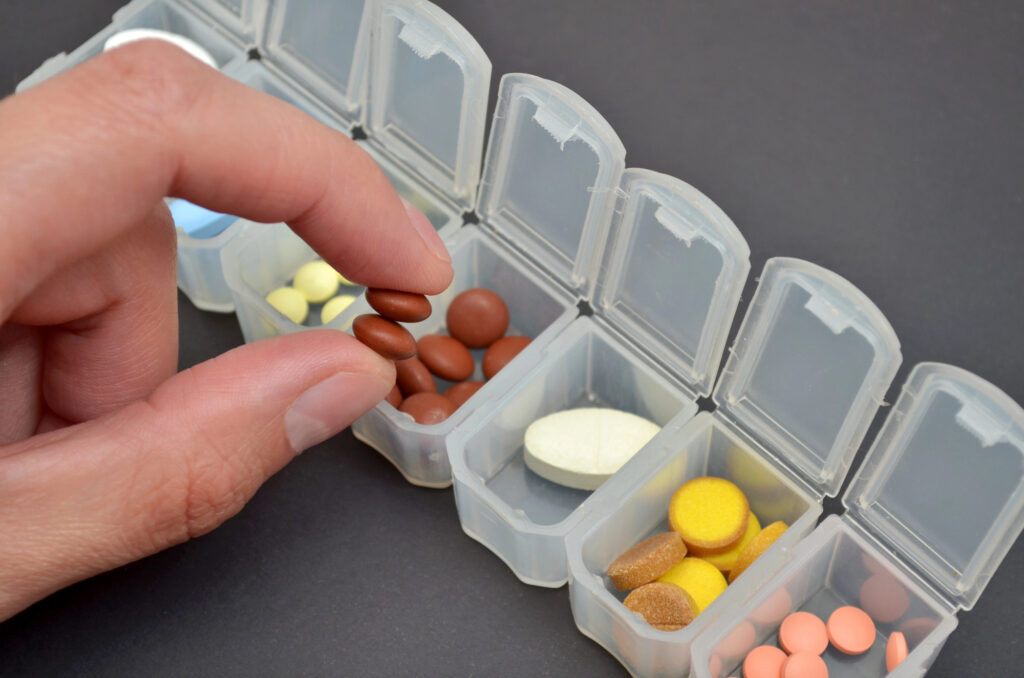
(943, 483)
(427, 100)
(674, 268)
(808, 369)
(553, 166)
(323, 45)
(242, 18)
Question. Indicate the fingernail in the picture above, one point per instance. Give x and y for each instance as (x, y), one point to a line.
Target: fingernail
(427, 232)
(328, 407)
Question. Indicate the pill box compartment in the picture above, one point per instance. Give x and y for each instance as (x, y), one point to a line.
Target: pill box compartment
(807, 372)
(906, 551)
(664, 268)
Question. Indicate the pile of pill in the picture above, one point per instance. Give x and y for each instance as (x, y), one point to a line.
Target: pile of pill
(673, 576)
(476, 319)
(315, 283)
(804, 638)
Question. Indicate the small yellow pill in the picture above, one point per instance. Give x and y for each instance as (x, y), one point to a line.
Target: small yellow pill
(317, 281)
(725, 560)
(709, 513)
(335, 306)
(290, 302)
(699, 578)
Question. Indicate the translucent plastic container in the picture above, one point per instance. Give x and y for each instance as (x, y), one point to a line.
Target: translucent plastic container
(910, 551)
(806, 375)
(664, 271)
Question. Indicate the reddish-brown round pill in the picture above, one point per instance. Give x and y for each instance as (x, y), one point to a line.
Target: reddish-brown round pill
(477, 317)
(463, 391)
(394, 397)
(427, 408)
(445, 357)
(384, 336)
(404, 307)
(413, 376)
(501, 353)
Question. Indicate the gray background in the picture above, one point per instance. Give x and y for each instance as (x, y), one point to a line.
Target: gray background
(880, 139)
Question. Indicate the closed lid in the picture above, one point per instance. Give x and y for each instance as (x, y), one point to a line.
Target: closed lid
(242, 18)
(553, 167)
(323, 45)
(428, 86)
(674, 268)
(943, 483)
(808, 369)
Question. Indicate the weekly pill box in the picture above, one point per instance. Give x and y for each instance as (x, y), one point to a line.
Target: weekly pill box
(806, 374)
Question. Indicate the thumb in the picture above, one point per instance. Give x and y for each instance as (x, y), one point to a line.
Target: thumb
(158, 472)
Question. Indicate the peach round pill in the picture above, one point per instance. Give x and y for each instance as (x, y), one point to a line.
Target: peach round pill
(702, 579)
(883, 597)
(739, 641)
(804, 665)
(445, 357)
(646, 561)
(764, 661)
(710, 513)
(758, 545)
(851, 630)
(427, 408)
(394, 397)
(803, 632)
(291, 303)
(895, 650)
(384, 336)
(662, 604)
(501, 353)
(773, 610)
(412, 376)
(477, 317)
(404, 307)
(317, 281)
(463, 391)
(334, 306)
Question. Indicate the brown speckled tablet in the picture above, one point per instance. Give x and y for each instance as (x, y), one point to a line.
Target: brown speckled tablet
(647, 561)
(662, 605)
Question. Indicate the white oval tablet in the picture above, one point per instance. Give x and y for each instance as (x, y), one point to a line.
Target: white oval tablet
(135, 34)
(582, 448)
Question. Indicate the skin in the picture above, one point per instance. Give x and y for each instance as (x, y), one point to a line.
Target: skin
(106, 454)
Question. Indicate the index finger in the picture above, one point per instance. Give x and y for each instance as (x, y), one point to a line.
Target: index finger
(85, 156)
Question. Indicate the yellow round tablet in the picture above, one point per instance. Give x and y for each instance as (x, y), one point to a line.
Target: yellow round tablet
(335, 306)
(725, 560)
(291, 302)
(701, 579)
(317, 281)
(709, 513)
(756, 547)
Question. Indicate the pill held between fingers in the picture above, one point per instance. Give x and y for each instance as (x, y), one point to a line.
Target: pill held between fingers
(334, 306)
(463, 391)
(501, 353)
(764, 661)
(404, 307)
(427, 408)
(384, 336)
(851, 630)
(710, 513)
(804, 665)
(646, 561)
(446, 357)
(289, 302)
(477, 317)
(662, 604)
(895, 650)
(413, 377)
(803, 632)
(394, 397)
(317, 280)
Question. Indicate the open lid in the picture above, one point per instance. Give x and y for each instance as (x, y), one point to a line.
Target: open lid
(808, 370)
(321, 44)
(944, 481)
(553, 166)
(242, 18)
(674, 268)
(427, 101)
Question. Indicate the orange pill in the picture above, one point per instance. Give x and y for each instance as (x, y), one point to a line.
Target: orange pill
(803, 632)
(753, 550)
(851, 630)
(764, 661)
(804, 665)
(884, 598)
(895, 650)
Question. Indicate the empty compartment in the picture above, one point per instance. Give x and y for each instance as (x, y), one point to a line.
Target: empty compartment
(706, 446)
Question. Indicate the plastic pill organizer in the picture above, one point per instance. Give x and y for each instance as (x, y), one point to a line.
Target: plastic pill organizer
(657, 269)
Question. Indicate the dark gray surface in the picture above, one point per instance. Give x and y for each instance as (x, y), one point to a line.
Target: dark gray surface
(882, 140)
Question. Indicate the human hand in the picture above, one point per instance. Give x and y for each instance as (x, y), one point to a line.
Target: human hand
(106, 455)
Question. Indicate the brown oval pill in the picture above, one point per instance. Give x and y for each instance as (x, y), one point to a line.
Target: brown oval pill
(463, 391)
(477, 318)
(427, 408)
(404, 307)
(445, 357)
(662, 604)
(394, 397)
(413, 376)
(384, 336)
(501, 353)
(646, 561)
